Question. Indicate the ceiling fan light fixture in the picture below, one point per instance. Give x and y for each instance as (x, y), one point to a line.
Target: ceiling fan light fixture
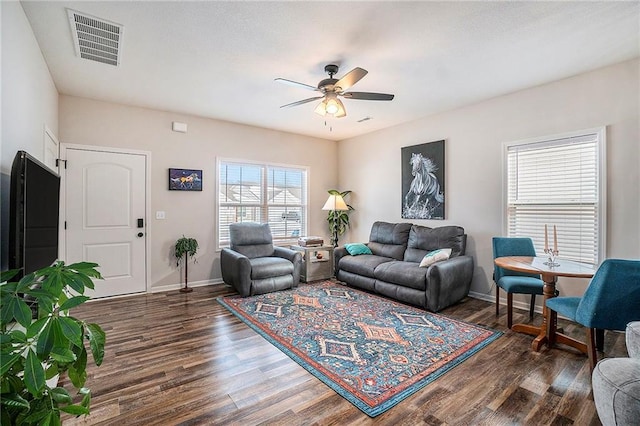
(332, 106)
(321, 109)
(341, 111)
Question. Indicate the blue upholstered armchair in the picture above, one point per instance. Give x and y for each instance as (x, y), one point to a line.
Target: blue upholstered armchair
(512, 281)
(252, 265)
(611, 301)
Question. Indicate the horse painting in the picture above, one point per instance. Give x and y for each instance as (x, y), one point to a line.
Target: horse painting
(424, 199)
(185, 180)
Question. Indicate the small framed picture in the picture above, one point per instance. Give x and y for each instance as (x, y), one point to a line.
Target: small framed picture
(185, 180)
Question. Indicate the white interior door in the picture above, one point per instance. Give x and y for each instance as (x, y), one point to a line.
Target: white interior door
(105, 198)
(51, 150)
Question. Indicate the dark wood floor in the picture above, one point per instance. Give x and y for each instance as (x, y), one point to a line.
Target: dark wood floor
(175, 358)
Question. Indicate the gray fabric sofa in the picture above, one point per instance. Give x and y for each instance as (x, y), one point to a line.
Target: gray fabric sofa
(393, 269)
(616, 384)
(252, 265)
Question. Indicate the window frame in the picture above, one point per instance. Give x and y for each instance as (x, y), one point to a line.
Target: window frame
(601, 186)
(264, 206)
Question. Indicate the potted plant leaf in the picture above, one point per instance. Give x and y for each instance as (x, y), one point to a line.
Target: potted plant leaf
(33, 351)
(185, 248)
(338, 219)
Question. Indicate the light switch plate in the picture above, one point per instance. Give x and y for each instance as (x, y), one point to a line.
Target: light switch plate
(160, 214)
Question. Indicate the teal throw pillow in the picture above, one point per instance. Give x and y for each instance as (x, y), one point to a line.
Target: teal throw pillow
(435, 256)
(355, 249)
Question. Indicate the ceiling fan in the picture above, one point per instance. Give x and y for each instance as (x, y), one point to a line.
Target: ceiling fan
(331, 88)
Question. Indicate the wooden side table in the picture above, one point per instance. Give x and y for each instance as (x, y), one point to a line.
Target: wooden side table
(317, 262)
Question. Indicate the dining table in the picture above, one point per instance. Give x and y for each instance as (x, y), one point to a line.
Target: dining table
(547, 333)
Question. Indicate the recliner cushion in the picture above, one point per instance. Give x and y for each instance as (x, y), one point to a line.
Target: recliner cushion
(251, 239)
(406, 274)
(364, 264)
(423, 240)
(269, 267)
(389, 239)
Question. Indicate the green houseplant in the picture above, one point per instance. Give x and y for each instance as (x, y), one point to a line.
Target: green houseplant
(50, 345)
(338, 219)
(185, 247)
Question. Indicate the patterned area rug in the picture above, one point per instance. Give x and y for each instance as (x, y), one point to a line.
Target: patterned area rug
(372, 351)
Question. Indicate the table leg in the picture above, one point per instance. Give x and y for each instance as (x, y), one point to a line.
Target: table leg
(549, 322)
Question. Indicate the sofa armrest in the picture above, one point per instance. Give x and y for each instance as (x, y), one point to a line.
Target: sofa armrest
(448, 281)
(633, 339)
(286, 253)
(236, 271)
(292, 256)
(338, 253)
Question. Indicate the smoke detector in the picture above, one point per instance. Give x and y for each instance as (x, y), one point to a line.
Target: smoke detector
(96, 39)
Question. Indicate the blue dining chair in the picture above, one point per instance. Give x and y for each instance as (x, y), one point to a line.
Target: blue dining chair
(611, 301)
(512, 281)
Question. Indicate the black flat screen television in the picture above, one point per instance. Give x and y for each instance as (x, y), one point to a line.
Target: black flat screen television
(34, 214)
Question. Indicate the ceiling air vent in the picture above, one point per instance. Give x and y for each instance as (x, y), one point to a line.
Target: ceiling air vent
(96, 39)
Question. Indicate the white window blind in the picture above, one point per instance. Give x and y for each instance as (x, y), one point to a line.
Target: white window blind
(557, 181)
(262, 193)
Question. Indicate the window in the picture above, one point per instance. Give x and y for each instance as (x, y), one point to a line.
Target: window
(559, 181)
(251, 192)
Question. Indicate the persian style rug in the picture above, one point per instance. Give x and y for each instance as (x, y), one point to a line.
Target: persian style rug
(372, 351)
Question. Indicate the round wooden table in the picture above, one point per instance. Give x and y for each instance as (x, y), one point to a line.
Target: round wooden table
(547, 332)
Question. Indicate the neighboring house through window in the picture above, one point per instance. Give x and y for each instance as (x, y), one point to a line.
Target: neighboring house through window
(265, 193)
(559, 180)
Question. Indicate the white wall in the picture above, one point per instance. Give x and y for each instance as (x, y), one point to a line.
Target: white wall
(29, 102)
(89, 122)
(29, 96)
(370, 164)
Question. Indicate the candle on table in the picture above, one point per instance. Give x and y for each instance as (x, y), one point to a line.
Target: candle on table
(546, 239)
(555, 239)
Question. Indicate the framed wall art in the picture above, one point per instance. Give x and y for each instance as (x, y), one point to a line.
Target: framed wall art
(423, 194)
(185, 180)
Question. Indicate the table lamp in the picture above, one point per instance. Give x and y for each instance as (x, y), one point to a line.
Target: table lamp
(335, 203)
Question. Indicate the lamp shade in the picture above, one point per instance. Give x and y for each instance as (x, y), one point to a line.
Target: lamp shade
(335, 202)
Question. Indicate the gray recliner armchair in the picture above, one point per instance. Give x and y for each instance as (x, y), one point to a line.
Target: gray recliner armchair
(253, 265)
(616, 384)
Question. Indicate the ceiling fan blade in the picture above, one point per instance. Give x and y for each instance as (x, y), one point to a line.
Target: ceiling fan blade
(351, 78)
(304, 101)
(368, 96)
(296, 84)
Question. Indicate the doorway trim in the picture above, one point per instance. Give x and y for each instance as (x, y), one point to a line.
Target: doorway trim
(147, 203)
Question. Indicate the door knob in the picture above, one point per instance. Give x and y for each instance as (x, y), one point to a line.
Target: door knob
(140, 234)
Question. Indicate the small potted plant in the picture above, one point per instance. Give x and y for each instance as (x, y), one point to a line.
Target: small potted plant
(185, 248)
(35, 350)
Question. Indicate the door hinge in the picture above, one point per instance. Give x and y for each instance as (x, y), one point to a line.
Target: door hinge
(60, 160)
(65, 224)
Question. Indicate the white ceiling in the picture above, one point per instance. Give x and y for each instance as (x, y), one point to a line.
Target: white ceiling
(220, 59)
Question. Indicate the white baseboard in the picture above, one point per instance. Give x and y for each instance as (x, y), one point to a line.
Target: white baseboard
(503, 301)
(178, 286)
